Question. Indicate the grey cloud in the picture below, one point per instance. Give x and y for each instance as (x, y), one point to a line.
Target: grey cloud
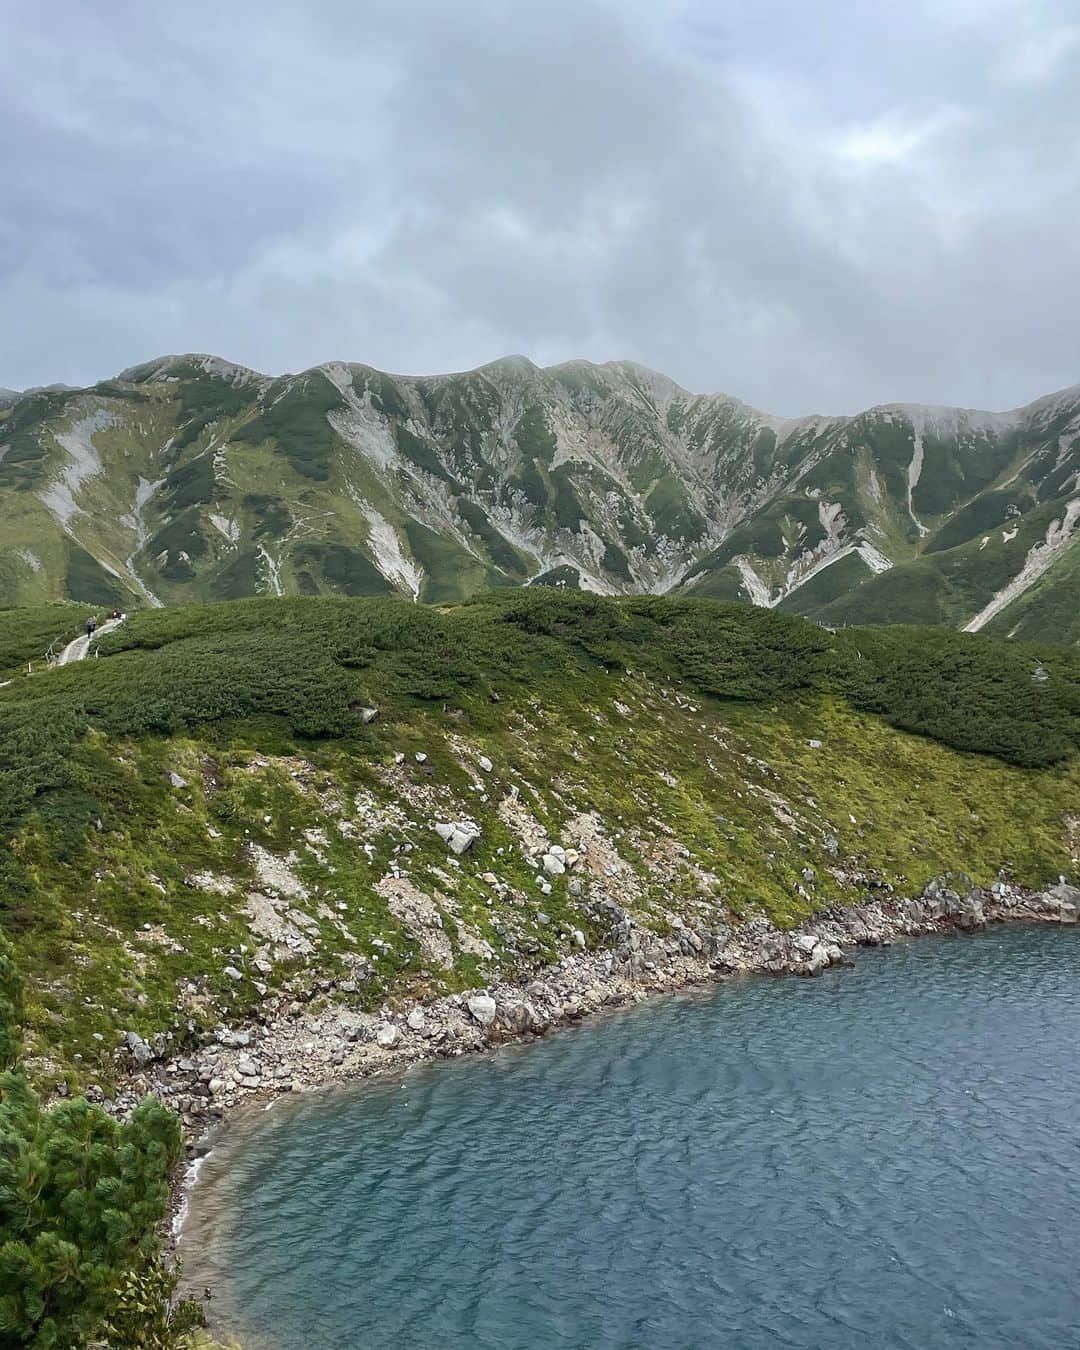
(812, 207)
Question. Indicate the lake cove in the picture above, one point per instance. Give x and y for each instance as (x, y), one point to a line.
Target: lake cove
(887, 1156)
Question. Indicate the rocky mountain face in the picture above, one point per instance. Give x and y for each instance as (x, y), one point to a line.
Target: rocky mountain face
(190, 478)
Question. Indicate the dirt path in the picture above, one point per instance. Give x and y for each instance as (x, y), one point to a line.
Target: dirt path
(79, 648)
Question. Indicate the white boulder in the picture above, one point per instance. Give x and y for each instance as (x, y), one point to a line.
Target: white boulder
(482, 1007)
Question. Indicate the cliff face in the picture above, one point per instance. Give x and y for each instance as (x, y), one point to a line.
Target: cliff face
(191, 478)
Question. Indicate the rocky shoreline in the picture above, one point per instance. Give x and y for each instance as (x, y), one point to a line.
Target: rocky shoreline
(301, 1049)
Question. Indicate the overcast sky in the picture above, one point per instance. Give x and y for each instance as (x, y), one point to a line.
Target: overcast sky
(813, 206)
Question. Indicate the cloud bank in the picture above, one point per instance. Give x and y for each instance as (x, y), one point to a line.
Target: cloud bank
(813, 207)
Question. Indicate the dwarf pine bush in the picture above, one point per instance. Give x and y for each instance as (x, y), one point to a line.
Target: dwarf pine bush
(81, 1197)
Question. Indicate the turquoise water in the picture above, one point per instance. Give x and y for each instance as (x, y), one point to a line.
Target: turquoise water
(888, 1156)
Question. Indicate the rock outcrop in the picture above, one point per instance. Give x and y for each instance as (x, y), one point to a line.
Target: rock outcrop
(292, 1048)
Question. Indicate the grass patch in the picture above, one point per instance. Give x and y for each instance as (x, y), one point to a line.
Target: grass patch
(88, 583)
(345, 568)
(294, 416)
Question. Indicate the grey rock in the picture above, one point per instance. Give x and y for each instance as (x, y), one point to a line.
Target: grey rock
(368, 715)
(819, 960)
(1065, 900)
(482, 1008)
(177, 780)
(458, 835)
(248, 1067)
(912, 910)
(485, 763)
(230, 972)
(720, 937)
(971, 917)
(553, 865)
(387, 1036)
(232, 1039)
(516, 1016)
(806, 942)
(463, 839)
(417, 1019)
(139, 1050)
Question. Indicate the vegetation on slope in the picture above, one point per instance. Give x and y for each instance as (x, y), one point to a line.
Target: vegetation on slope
(731, 758)
(257, 708)
(193, 479)
(1050, 610)
(81, 1199)
(27, 634)
(947, 585)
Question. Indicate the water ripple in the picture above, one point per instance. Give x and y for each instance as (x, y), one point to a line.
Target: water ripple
(886, 1157)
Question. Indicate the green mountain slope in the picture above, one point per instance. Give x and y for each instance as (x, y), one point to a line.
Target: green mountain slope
(214, 795)
(189, 478)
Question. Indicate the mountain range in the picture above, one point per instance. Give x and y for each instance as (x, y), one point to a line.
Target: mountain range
(191, 478)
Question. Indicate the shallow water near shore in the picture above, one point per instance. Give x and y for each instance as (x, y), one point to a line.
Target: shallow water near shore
(887, 1156)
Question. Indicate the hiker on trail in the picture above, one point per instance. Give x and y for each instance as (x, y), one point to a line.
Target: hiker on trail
(116, 614)
(91, 624)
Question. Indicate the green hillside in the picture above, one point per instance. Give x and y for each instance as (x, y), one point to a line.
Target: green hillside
(945, 749)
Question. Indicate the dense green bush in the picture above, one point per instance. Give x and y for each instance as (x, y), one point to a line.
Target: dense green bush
(307, 661)
(313, 663)
(147, 1315)
(192, 484)
(1011, 700)
(81, 1198)
(87, 582)
(27, 634)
